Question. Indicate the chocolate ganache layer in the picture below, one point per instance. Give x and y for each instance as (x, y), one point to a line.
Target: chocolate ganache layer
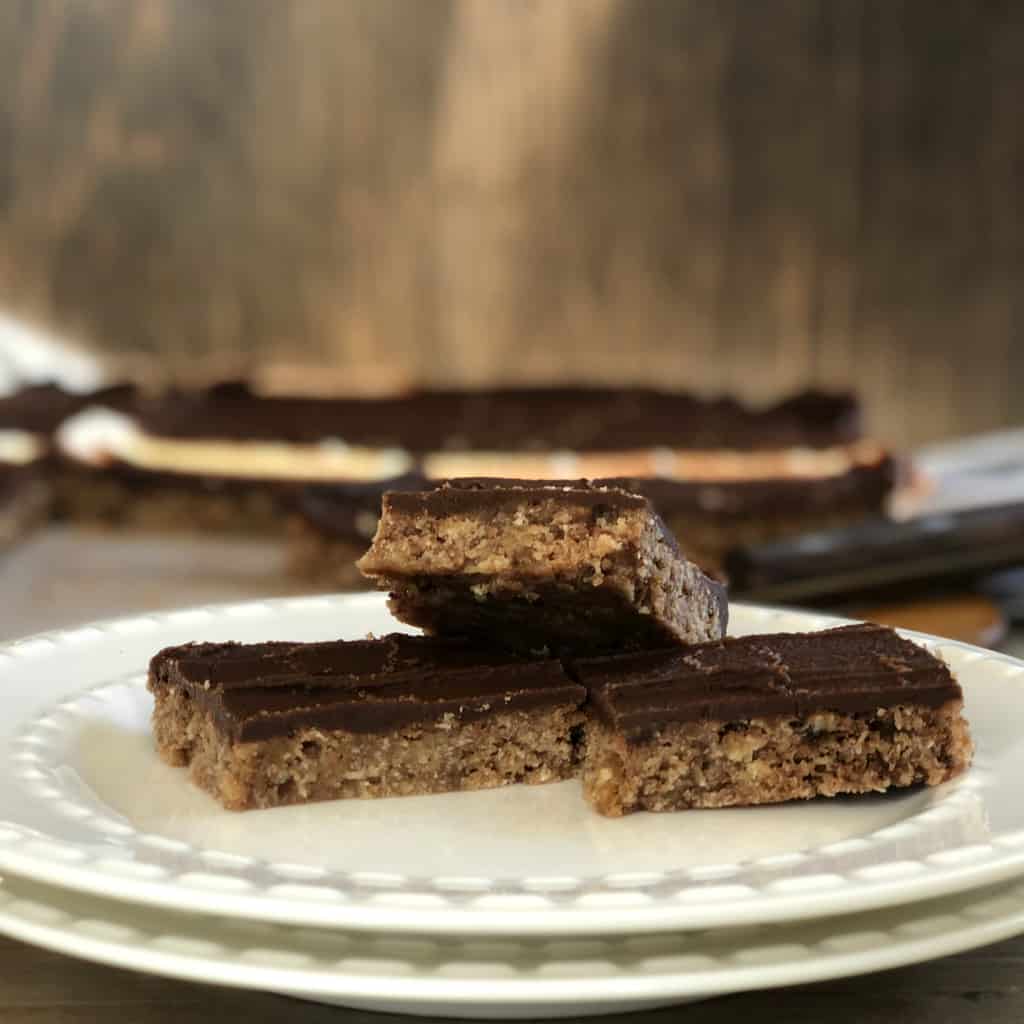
(858, 668)
(258, 691)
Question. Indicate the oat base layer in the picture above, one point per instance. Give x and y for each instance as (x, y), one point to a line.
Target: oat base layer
(515, 747)
(767, 761)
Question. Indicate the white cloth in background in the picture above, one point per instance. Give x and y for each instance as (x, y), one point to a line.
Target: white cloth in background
(30, 355)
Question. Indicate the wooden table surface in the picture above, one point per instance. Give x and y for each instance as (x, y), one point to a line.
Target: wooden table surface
(60, 579)
(982, 987)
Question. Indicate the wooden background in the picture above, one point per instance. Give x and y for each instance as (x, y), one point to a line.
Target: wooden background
(719, 194)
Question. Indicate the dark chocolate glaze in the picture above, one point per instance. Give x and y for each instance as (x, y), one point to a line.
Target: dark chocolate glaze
(259, 691)
(42, 408)
(851, 669)
(512, 419)
(480, 495)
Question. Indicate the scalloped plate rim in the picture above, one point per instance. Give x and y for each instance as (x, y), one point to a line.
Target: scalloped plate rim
(458, 918)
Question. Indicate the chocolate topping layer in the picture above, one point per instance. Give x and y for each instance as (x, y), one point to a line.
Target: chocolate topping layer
(41, 408)
(257, 691)
(481, 494)
(849, 669)
(514, 419)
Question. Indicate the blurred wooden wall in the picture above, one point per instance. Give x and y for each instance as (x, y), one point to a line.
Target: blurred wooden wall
(719, 194)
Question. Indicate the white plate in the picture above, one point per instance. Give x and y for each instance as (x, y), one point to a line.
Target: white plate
(504, 977)
(87, 805)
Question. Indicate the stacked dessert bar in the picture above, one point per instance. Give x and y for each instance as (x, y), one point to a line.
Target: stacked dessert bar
(227, 458)
(566, 635)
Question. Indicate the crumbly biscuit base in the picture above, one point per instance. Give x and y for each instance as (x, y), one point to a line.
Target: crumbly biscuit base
(512, 747)
(771, 760)
(541, 539)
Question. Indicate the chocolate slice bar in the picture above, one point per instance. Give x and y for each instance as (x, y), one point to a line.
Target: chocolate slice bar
(764, 719)
(267, 724)
(557, 566)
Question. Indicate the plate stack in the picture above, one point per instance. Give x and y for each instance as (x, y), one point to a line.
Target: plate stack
(507, 903)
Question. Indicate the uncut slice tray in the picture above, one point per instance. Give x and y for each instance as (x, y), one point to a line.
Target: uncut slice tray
(540, 566)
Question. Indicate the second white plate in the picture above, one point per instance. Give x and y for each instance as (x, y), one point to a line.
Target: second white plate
(503, 978)
(87, 805)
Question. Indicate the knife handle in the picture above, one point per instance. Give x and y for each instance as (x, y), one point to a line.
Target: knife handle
(878, 553)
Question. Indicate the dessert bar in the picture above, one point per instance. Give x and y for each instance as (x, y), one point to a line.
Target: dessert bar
(229, 458)
(764, 719)
(558, 566)
(753, 720)
(277, 723)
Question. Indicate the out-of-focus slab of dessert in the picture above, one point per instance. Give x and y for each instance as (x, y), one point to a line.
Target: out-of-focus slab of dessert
(227, 458)
(790, 502)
